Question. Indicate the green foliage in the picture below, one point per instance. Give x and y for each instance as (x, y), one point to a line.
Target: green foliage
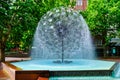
(23, 16)
(114, 11)
(25, 24)
(5, 25)
(4, 16)
(97, 15)
(101, 15)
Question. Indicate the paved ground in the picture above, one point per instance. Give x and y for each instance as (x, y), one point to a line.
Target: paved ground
(13, 59)
(111, 59)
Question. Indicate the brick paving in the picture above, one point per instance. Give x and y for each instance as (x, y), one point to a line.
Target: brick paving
(3, 75)
(111, 59)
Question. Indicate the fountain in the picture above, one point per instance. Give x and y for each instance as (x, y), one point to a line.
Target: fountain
(62, 34)
(62, 49)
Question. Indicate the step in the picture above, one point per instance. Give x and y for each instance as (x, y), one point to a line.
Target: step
(81, 73)
(85, 78)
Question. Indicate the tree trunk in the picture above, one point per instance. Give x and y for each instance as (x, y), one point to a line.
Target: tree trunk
(2, 52)
(3, 43)
(104, 42)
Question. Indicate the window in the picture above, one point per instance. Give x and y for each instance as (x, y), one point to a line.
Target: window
(79, 2)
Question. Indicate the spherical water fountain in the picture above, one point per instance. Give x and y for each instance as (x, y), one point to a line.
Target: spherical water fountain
(62, 33)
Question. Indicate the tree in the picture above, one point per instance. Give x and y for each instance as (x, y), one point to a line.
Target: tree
(29, 13)
(23, 31)
(5, 25)
(114, 15)
(101, 15)
(14, 20)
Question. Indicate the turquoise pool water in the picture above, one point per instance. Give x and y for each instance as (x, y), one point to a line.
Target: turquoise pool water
(77, 64)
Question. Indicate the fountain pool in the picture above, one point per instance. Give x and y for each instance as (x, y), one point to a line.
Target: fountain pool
(79, 69)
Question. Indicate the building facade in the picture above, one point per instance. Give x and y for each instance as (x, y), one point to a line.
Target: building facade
(80, 4)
